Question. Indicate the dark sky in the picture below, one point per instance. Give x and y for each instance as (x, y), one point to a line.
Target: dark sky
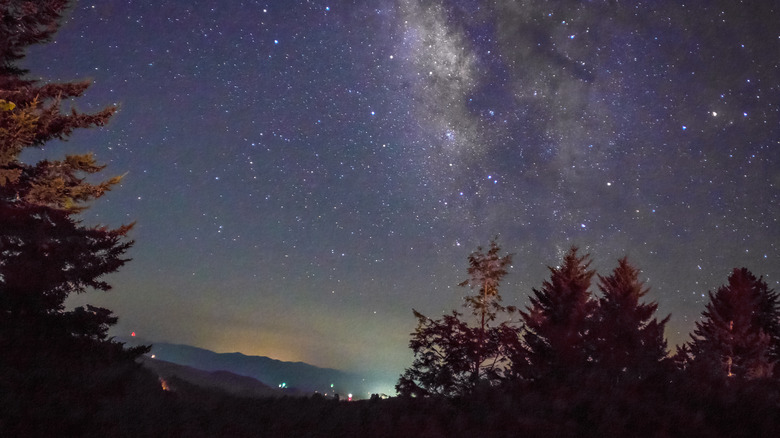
(304, 173)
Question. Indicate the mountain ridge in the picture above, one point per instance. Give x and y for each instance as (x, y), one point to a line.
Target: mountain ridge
(300, 376)
(235, 384)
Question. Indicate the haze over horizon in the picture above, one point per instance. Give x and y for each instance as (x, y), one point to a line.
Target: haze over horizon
(303, 174)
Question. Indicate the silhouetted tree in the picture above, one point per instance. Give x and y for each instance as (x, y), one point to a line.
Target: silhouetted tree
(452, 357)
(46, 254)
(486, 269)
(556, 321)
(740, 333)
(444, 350)
(626, 340)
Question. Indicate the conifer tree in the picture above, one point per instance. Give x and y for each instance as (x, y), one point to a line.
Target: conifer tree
(452, 357)
(626, 341)
(740, 333)
(556, 321)
(46, 254)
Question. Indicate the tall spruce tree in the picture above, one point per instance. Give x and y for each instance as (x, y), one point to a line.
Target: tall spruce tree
(46, 254)
(740, 333)
(627, 341)
(453, 357)
(556, 321)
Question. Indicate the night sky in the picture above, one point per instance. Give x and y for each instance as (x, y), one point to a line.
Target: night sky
(304, 173)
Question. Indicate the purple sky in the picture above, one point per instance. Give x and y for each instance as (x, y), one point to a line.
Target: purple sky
(303, 174)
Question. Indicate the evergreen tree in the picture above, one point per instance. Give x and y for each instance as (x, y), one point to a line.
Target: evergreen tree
(46, 254)
(740, 333)
(556, 321)
(452, 357)
(626, 340)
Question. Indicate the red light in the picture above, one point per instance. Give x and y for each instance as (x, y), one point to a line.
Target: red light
(132, 334)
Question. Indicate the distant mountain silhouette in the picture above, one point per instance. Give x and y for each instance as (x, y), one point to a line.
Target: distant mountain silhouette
(226, 381)
(298, 376)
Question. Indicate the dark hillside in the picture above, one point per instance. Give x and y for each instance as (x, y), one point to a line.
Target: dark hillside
(296, 375)
(226, 381)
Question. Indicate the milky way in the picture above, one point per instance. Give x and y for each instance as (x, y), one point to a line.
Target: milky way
(303, 174)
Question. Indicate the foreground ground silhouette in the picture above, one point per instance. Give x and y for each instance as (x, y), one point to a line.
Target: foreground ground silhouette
(668, 406)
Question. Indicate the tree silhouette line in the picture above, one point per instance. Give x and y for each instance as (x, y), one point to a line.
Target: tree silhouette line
(568, 334)
(57, 366)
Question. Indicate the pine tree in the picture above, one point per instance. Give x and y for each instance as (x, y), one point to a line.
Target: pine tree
(740, 333)
(58, 367)
(627, 342)
(46, 254)
(556, 321)
(452, 357)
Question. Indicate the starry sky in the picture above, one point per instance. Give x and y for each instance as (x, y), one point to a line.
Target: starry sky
(304, 173)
